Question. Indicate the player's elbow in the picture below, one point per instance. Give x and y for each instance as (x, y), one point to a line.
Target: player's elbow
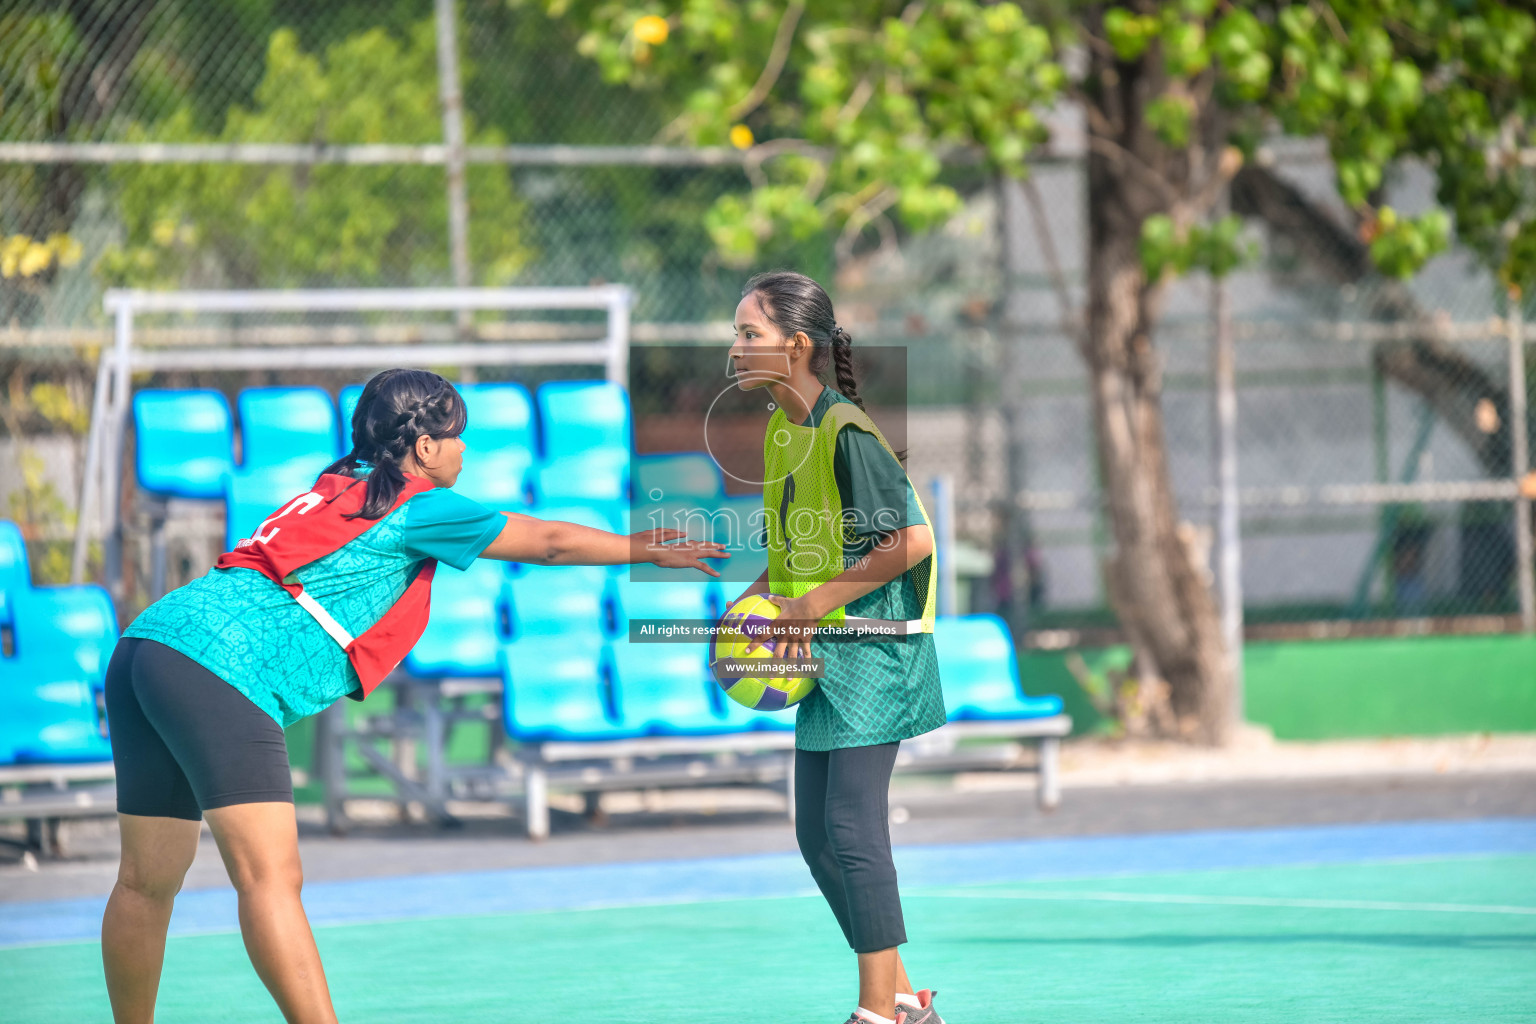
(919, 544)
(551, 545)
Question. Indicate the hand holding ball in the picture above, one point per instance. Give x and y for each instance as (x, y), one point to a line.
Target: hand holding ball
(743, 635)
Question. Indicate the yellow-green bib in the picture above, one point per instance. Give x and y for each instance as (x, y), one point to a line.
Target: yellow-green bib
(805, 512)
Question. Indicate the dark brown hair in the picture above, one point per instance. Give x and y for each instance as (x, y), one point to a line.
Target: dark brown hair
(396, 407)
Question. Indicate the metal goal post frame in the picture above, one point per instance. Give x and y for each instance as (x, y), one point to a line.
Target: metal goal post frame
(102, 478)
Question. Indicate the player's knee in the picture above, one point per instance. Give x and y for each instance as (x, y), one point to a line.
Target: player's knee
(857, 840)
(154, 883)
(267, 875)
(846, 840)
(811, 835)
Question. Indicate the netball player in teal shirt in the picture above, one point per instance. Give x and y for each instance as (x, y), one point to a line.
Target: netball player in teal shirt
(203, 682)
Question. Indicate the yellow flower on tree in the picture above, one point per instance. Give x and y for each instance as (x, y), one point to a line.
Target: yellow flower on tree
(24, 256)
(652, 30)
(741, 137)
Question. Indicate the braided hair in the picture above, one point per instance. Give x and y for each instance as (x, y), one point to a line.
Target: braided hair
(395, 408)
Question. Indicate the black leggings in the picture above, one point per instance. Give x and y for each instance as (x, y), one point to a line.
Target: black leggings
(842, 821)
(184, 741)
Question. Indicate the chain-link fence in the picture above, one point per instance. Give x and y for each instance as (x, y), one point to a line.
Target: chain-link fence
(1374, 444)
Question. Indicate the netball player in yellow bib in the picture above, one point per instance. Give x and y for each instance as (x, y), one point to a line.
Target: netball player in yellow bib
(849, 545)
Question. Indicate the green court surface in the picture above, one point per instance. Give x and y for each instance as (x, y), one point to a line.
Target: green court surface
(1444, 940)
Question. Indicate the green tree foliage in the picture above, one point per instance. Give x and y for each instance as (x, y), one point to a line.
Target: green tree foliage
(852, 104)
(323, 224)
(850, 111)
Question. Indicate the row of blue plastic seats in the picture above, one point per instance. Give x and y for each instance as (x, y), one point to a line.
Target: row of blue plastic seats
(560, 688)
(54, 647)
(577, 448)
(569, 673)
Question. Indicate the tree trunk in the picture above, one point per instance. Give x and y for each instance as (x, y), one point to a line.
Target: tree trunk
(1157, 577)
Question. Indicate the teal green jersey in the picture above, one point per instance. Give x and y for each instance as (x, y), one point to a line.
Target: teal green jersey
(250, 632)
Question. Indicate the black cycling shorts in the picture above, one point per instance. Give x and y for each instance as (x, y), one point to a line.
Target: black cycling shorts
(185, 741)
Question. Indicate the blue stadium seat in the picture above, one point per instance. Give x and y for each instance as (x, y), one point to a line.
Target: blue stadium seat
(696, 519)
(500, 416)
(551, 600)
(281, 425)
(739, 523)
(183, 442)
(346, 402)
(677, 596)
(597, 479)
(74, 625)
(13, 557)
(14, 572)
(578, 417)
(64, 637)
(677, 477)
(980, 671)
(555, 690)
(462, 636)
(251, 495)
(499, 445)
(496, 479)
(662, 688)
(51, 717)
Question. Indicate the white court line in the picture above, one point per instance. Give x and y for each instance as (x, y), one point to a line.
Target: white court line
(1223, 901)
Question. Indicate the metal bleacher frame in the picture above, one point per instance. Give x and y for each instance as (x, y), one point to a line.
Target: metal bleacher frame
(758, 758)
(42, 795)
(766, 758)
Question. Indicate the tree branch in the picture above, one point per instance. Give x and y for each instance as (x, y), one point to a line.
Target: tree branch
(1205, 196)
(1325, 11)
(1098, 120)
(763, 152)
(777, 55)
(860, 218)
(856, 99)
(1114, 151)
(1428, 366)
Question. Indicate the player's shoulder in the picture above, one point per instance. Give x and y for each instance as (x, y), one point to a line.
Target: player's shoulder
(842, 411)
(442, 504)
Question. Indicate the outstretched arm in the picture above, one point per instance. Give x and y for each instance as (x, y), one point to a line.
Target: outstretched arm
(549, 542)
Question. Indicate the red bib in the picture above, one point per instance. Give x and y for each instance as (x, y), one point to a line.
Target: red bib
(312, 526)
